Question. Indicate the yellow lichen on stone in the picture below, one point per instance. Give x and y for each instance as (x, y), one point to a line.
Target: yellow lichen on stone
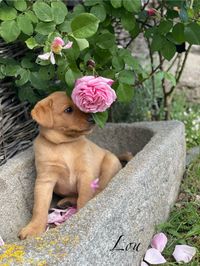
(12, 252)
(42, 263)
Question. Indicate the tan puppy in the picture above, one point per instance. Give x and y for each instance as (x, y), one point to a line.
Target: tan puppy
(66, 161)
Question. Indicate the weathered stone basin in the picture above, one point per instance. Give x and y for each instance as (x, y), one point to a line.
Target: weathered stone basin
(138, 198)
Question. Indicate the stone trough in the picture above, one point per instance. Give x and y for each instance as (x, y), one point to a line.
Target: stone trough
(114, 228)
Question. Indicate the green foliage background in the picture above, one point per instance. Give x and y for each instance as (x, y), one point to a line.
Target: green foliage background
(34, 24)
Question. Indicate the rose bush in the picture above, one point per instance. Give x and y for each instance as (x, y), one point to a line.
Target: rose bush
(44, 28)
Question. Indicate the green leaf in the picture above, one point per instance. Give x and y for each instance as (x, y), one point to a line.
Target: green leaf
(12, 69)
(31, 43)
(192, 33)
(62, 69)
(36, 82)
(9, 30)
(135, 31)
(100, 118)
(168, 50)
(92, 2)
(103, 56)
(118, 63)
(73, 53)
(82, 43)
(169, 76)
(84, 25)
(45, 28)
(127, 77)
(20, 5)
(116, 3)
(7, 12)
(25, 25)
(105, 40)
(132, 5)
(24, 77)
(32, 16)
(165, 26)
(26, 62)
(128, 21)
(157, 42)
(99, 11)
(70, 77)
(125, 92)
(26, 93)
(78, 9)
(60, 11)
(178, 33)
(43, 11)
(132, 62)
(46, 73)
(65, 27)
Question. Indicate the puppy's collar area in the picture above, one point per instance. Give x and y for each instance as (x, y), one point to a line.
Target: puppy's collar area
(58, 137)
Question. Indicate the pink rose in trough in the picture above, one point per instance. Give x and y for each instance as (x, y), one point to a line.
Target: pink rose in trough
(93, 94)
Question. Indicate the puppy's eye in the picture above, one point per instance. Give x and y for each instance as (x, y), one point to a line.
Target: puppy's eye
(68, 110)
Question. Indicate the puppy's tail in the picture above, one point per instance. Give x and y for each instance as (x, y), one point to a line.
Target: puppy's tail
(125, 157)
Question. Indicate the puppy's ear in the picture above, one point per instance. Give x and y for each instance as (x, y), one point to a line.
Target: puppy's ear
(42, 113)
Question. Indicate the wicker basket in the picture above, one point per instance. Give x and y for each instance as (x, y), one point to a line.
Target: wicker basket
(17, 129)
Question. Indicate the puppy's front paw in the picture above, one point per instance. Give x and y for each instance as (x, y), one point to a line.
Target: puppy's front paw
(31, 230)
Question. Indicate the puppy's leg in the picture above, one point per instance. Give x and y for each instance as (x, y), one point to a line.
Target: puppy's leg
(42, 199)
(109, 168)
(67, 202)
(85, 192)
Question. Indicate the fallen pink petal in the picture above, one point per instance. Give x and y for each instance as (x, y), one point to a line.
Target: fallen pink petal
(59, 216)
(95, 184)
(153, 256)
(184, 253)
(1, 241)
(159, 241)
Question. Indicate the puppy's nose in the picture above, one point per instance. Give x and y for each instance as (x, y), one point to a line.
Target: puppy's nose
(90, 119)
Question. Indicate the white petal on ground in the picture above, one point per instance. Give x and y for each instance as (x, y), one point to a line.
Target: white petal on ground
(153, 256)
(184, 253)
(159, 241)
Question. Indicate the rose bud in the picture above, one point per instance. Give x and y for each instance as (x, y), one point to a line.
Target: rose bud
(151, 12)
(91, 64)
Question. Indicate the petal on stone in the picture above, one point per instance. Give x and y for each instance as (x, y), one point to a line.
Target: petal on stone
(159, 242)
(184, 253)
(153, 256)
(44, 56)
(1, 241)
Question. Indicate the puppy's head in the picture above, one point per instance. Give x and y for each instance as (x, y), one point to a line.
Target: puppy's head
(57, 111)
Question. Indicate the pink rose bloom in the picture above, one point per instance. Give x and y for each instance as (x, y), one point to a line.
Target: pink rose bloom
(93, 94)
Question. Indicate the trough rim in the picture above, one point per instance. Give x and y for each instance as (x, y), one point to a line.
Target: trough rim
(160, 131)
